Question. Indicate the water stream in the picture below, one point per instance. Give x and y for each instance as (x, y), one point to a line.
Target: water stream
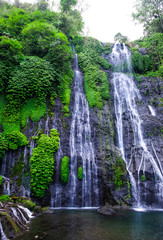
(125, 96)
(81, 147)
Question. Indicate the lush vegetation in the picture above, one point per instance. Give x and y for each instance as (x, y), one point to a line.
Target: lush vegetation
(64, 169)
(91, 63)
(119, 171)
(42, 162)
(1, 180)
(35, 64)
(150, 14)
(151, 62)
(80, 173)
(35, 59)
(4, 198)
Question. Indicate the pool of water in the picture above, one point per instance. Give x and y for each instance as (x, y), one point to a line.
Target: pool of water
(89, 225)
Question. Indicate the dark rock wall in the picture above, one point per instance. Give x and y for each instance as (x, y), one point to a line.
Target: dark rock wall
(114, 186)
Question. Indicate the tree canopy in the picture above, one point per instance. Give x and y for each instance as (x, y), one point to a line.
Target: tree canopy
(150, 14)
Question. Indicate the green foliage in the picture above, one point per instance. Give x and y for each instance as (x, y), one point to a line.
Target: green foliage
(2, 106)
(1, 178)
(141, 64)
(95, 80)
(3, 145)
(37, 38)
(71, 23)
(42, 162)
(154, 44)
(151, 61)
(64, 169)
(119, 173)
(161, 70)
(10, 56)
(143, 178)
(33, 109)
(29, 204)
(34, 78)
(16, 21)
(80, 173)
(120, 38)
(4, 198)
(149, 13)
(16, 139)
(67, 4)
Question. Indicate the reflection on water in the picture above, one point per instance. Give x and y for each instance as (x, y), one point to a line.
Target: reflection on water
(88, 225)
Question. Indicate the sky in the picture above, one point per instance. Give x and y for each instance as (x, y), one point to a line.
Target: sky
(105, 18)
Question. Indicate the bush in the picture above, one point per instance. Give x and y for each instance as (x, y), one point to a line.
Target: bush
(15, 139)
(42, 162)
(80, 173)
(34, 78)
(4, 198)
(64, 169)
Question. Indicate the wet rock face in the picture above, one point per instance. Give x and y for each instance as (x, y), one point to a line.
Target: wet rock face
(108, 156)
(13, 220)
(112, 189)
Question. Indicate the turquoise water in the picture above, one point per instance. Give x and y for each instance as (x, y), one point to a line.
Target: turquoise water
(89, 225)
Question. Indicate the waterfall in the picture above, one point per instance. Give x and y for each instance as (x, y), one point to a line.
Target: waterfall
(138, 157)
(81, 147)
(27, 211)
(152, 111)
(3, 236)
(6, 186)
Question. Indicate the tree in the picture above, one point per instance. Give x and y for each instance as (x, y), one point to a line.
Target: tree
(10, 57)
(37, 38)
(120, 38)
(66, 5)
(71, 23)
(16, 21)
(150, 14)
(42, 5)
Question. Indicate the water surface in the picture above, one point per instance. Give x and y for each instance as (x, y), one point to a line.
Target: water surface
(89, 225)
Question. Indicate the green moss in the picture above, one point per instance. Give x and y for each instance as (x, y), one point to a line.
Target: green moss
(80, 173)
(119, 173)
(95, 80)
(64, 169)
(4, 198)
(14, 225)
(2, 106)
(42, 162)
(3, 145)
(1, 178)
(29, 204)
(143, 178)
(16, 139)
(33, 109)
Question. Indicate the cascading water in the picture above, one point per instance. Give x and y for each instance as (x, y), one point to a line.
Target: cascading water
(3, 236)
(76, 193)
(134, 150)
(81, 147)
(152, 111)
